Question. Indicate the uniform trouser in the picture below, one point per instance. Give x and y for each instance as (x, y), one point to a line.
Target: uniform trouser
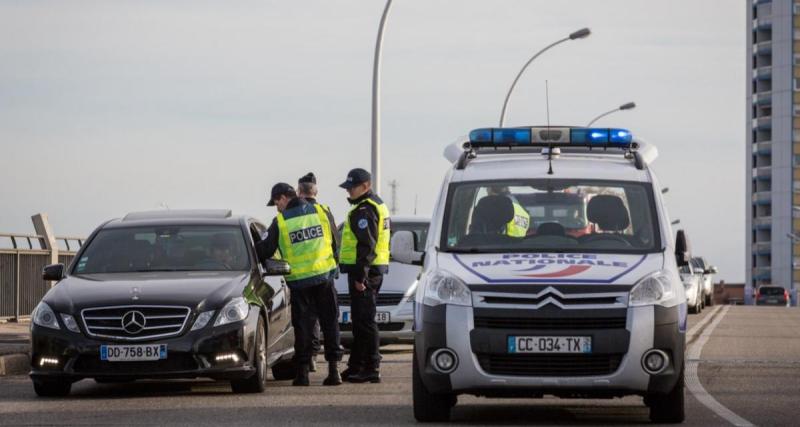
(366, 337)
(316, 345)
(309, 305)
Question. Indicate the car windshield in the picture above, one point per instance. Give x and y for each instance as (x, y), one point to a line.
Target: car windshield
(550, 215)
(420, 230)
(771, 291)
(165, 248)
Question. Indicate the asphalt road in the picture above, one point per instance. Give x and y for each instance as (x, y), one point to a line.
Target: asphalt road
(750, 365)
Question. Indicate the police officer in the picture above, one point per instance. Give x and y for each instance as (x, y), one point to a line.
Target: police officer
(518, 226)
(307, 189)
(303, 234)
(365, 258)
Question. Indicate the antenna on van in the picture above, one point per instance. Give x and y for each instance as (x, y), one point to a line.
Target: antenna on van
(547, 109)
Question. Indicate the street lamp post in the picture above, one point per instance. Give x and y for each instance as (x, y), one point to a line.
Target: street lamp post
(580, 34)
(376, 98)
(626, 106)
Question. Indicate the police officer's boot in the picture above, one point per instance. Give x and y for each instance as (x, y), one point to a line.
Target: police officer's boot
(351, 370)
(333, 374)
(366, 375)
(301, 378)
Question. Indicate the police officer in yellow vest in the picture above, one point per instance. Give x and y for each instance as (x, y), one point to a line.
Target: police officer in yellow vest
(307, 189)
(518, 226)
(303, 233)
(365, 258)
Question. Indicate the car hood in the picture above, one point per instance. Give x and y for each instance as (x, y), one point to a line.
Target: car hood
(198, 290)
(399, 278)
(551, 268)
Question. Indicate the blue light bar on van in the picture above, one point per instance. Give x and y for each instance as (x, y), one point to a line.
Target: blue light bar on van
(544, 136)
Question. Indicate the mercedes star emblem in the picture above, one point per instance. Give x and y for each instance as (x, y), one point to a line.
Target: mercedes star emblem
(133, 322)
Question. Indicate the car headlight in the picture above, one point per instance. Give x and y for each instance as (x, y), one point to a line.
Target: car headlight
(234, 311)
(444, 288)
(70, 322)
(202, 320)
(653, 289)
(44, 316)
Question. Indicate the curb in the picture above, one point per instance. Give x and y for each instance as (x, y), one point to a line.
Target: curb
(15, 364)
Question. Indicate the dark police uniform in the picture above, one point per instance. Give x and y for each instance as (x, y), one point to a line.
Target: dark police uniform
(364, 256)
(313, 295)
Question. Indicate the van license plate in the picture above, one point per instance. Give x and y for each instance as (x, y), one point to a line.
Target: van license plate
(527, 344)
(133, 353)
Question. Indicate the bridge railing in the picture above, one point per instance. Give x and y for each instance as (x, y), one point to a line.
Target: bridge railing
(22, 258)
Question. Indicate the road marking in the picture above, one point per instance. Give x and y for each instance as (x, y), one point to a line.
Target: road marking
(703, 322)
(693, 380)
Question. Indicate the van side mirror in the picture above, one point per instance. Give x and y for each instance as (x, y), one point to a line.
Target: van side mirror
(277, 267)
(53, 272)
(403, 248)
(682, 250)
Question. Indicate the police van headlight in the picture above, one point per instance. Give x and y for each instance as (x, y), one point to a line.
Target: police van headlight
(653, 289)
(445, 288)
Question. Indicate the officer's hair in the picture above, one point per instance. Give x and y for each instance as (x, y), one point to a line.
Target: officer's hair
(307, 189)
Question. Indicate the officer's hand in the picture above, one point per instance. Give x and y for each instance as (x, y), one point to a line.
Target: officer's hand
(360, 286)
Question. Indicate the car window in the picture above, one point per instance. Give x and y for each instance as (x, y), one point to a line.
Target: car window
(420, 230)
(165, 248)
(551, 215)
(771, 291)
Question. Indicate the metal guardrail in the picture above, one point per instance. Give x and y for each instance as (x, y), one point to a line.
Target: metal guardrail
(22, 258)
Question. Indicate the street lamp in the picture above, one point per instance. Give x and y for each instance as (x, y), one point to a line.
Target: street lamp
(580, 34)
(627, 106)
(376, 98)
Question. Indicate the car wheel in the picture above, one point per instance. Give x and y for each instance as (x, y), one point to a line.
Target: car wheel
(51, 388)
(668, 408)
(710, 300)
(429, 407)
(284, 371)
(258, 381)
(694, 309)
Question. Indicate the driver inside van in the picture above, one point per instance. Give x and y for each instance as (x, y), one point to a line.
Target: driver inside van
(518, 226)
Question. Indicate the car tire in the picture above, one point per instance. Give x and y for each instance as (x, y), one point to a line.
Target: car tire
(284, 371)
(710, 300)
(429, 407)
(52, 388)
(668, 408)
(694, 309)
(257, 382)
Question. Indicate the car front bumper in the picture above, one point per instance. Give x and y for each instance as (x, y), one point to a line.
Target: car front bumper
(399, 329)
(189, 355)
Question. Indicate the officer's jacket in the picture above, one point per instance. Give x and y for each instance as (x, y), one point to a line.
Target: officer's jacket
(367, 239)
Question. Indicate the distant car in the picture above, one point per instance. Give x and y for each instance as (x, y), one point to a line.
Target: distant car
(693, 285)
(395, 301)
(772, 295)
(708, 280)
(167, 294)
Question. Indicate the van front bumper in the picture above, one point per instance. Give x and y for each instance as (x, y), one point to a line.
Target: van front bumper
(480, 351)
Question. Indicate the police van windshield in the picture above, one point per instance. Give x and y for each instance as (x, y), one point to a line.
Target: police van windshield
(165, 248)
(551, 215)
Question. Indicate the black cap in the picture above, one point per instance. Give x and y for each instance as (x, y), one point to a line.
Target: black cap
(278, 190)
(309, 177)
(355, 177)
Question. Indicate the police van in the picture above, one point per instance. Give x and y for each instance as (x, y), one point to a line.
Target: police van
(520, 296)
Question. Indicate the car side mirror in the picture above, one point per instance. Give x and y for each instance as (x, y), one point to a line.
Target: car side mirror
(53, 272)
(277, 267)
(403, 249)
(711, 270)
(682, 250)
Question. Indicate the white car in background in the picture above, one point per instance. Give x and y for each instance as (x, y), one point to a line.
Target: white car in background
(395, 301)
(692, 278)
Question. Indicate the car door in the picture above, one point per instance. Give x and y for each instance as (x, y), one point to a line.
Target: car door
(273, 291)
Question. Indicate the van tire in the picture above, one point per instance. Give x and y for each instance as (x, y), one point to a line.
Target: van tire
(668, 408)
(429, 407)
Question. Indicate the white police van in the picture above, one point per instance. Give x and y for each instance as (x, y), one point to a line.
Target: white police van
(583, 300)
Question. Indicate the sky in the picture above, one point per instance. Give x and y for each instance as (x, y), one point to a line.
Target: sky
(113, 107)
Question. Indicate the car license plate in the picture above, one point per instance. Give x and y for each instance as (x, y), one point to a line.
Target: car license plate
(772, 301)
(133, 353)
(527, 344)
(380, 317)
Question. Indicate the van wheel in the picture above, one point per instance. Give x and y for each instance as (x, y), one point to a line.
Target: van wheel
(429, 407)
(258, 381)
(284, 371)
(668, 408)
(52, 388)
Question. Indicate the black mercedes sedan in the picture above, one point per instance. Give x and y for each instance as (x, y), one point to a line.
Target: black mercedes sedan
(165, 294)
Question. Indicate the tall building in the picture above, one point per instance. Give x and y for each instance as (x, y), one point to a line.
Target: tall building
(773, 144)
